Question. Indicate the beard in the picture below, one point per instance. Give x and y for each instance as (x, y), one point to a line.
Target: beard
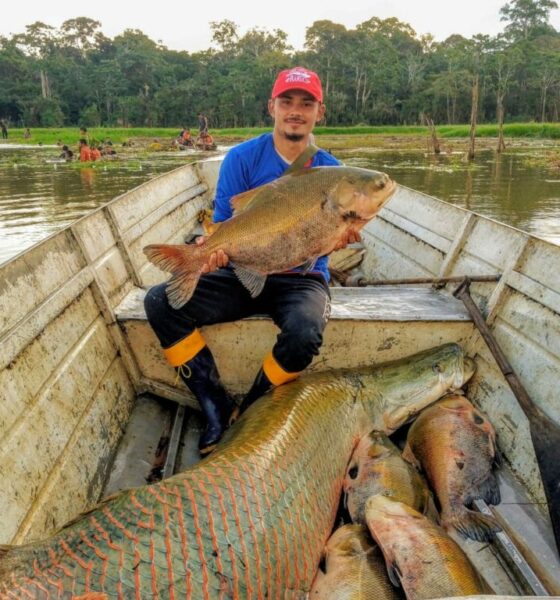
(294, 137)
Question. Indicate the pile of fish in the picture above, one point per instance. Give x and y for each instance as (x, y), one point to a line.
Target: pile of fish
(251, 521)
(393, 511)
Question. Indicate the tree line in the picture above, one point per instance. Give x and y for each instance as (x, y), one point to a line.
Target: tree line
(381, 72)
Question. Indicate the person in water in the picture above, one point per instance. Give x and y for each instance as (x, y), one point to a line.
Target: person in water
(298, 301)
(66, 153)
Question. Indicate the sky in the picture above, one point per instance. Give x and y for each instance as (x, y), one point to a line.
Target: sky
(185, 25)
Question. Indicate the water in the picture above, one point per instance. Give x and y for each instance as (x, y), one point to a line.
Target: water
(520, 188)
(38, 198)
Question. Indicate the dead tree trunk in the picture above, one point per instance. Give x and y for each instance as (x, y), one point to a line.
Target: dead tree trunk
(474, 112)
(500, 114)
(433, 134)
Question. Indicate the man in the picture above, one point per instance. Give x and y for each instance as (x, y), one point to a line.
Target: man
(4, 130)
(202, 124)
(298, 303)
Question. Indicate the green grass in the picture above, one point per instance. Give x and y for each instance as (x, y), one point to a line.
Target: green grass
(71, 135)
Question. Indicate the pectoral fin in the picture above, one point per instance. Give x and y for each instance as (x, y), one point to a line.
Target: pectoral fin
(242, 201)
(309, 264)
(254, 282)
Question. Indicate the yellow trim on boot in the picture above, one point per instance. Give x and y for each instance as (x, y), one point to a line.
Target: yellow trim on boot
(184, 350)
(275, 373)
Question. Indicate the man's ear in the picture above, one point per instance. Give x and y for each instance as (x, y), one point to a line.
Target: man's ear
(321, 113)
(271, 107)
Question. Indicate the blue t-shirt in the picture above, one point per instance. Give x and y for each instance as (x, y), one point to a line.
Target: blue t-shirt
(253, 163)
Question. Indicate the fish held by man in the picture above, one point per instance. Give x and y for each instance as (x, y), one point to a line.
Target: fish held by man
(354, 568)
(421, 557)
(251, 521)
(455, 445)
(377, 467)
(276, 227)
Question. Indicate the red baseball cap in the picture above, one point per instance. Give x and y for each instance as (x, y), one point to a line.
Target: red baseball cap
(298, 78)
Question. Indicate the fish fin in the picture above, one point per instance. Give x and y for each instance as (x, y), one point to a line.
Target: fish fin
(210, 227)
(489, 490)
(408, 455)
(184, 262)
(395, 574)
(242, 201)
(471, 524)
(430, 509)
(254, 282)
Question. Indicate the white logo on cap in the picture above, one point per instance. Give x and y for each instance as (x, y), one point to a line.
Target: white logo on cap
(295, 76)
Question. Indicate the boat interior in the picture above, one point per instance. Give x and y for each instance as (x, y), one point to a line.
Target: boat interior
(88, 405)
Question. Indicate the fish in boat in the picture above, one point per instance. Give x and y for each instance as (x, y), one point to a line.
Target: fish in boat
(377, 467)
(455, 445)
(286, 223)
(250, 521)
(420, 556)
(354, 568)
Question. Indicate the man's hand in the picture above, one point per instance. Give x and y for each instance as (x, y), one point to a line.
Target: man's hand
(217, 259)
(350, 237)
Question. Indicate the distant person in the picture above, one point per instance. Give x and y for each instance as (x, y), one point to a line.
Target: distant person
(66, 154)
(206, 141)
(26, 134)
(4, 130)
(85, 151)
(108, 151)
(84, 134)
(202, 124)
(185, 137)
(95, 153)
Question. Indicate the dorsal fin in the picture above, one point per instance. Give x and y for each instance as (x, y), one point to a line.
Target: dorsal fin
(242, 201)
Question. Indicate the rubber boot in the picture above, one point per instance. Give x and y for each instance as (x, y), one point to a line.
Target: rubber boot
(260, 386)
(200, 375)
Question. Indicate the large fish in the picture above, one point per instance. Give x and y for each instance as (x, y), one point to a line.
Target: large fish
(249, 522)
(455, 445)
(377, 467)
(420, 556)
(354, 568)
(278, 226)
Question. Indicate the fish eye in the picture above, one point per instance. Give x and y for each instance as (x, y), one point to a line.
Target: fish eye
(353, 472)
(478, 419)
(437, 368)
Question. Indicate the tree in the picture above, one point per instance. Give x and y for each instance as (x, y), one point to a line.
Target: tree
(526, 18)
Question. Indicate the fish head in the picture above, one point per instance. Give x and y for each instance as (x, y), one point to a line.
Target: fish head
(361, 193)
(383, 512)
(347, 541)
(411, 384)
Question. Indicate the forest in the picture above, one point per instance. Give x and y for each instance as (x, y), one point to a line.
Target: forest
(379, 73)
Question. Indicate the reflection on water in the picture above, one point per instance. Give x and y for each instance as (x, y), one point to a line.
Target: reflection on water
(38, 198)
(507, 187)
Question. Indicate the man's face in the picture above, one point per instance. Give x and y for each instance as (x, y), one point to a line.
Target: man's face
(295, 113)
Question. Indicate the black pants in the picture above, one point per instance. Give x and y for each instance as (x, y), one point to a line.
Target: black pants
(298, 304)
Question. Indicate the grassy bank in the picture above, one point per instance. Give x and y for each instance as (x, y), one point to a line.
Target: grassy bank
(70, 135)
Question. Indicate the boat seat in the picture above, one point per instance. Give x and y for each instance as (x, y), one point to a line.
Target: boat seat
(367, 326)
(375, 303)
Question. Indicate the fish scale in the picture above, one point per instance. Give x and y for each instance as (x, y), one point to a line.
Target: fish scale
(248, 522)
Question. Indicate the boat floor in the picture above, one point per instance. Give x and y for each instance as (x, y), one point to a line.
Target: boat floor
(152, 431)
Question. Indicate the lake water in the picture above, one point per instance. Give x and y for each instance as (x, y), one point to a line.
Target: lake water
(38, 197)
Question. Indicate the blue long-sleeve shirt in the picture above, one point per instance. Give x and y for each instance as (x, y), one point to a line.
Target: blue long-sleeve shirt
(253, 163)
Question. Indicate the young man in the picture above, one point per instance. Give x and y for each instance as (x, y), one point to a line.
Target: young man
(298, 303)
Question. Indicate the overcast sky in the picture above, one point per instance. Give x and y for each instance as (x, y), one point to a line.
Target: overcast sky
(185, 25)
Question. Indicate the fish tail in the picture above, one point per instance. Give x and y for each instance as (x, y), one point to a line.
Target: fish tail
(474, 525)
(184, 262)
